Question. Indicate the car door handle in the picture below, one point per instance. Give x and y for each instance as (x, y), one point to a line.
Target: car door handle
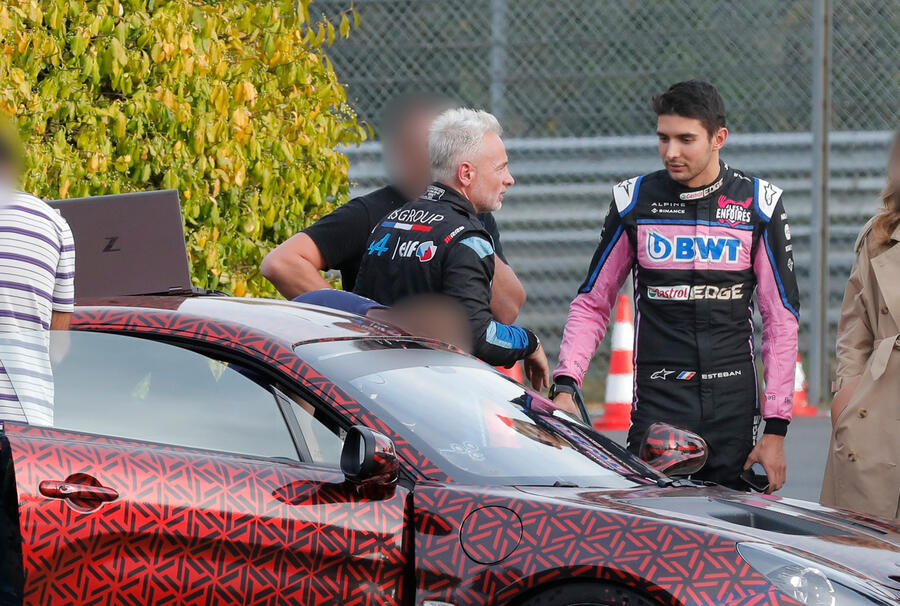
(68, 490)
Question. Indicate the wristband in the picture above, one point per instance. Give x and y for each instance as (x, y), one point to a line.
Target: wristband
(558, 388)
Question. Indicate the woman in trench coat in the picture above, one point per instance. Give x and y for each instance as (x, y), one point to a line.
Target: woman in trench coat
(862, 472)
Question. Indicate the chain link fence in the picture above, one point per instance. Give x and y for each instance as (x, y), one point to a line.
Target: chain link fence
(571, 82)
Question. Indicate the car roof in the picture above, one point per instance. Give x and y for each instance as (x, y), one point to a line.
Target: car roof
(285, 321)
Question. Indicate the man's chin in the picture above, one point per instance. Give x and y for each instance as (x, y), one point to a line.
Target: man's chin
(681, 176)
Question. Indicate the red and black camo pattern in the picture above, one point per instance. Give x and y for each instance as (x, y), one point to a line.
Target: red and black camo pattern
(554, 541)
(276, 354)
(191, 527)
(674, 565)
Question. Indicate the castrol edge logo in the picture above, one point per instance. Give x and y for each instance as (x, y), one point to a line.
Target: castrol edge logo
(696, 292)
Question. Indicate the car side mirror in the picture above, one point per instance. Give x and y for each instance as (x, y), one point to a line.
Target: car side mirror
(673, 451)
(368, 458)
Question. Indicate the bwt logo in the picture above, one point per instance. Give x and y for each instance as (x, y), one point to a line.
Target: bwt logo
(684, 249)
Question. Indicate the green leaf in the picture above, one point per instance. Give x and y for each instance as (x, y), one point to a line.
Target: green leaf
(129, 95)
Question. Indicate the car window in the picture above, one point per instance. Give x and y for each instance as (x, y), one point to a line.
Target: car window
(478, 425)
(324, 437)
(137, 388)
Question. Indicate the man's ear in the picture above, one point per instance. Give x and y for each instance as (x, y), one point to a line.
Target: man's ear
(465, 173)
(719, 138)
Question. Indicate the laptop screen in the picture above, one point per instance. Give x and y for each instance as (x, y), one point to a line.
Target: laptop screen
(127, 244)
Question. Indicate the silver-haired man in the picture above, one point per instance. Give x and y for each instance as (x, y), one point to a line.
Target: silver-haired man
(436, 244)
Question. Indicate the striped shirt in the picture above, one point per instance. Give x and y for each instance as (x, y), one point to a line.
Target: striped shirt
(37, 271)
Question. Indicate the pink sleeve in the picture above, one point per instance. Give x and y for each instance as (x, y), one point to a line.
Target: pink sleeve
(778, 304)
(589, 312)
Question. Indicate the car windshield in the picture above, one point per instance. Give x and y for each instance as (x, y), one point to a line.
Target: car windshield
(476, 424)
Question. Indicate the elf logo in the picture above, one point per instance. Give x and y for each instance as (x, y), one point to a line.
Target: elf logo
(685, 249)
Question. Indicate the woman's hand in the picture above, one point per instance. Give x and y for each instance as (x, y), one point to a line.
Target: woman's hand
(842, 398)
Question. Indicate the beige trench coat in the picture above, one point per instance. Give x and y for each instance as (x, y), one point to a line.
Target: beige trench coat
(862, 472)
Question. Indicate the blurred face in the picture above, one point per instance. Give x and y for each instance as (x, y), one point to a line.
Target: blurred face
(408, 162)
(689, 153)
(486, 178)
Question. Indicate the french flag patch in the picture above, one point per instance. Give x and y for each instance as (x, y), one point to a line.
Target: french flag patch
(406, 226)
(685, 375)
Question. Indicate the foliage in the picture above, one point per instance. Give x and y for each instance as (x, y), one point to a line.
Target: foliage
(233, 103)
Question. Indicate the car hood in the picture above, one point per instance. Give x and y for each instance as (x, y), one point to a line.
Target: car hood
(840, 539)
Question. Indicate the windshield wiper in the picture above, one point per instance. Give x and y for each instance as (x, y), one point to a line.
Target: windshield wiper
(668, 482)
(561, 484)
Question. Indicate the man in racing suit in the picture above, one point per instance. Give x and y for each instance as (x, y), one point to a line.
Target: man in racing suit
(700, 237)
(437, 244)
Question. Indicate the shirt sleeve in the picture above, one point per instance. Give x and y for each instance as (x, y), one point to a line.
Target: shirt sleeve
(467, 278)
(341, 235)
(779, 306)
(64, 284)
(490, 225)
(589, 311)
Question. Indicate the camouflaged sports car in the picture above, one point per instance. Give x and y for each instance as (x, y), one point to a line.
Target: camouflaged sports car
(207, 450)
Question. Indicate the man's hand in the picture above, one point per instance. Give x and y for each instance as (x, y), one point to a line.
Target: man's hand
(769, 452)
(537, 369)
(565, 401)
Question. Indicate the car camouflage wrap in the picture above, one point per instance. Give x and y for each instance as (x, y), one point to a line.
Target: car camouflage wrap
(498, 499)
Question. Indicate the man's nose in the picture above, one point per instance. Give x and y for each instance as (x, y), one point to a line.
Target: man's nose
(509, 182)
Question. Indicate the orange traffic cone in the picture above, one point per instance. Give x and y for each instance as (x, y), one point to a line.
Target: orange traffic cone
(802, 407)
(514, 372)
(620, 381)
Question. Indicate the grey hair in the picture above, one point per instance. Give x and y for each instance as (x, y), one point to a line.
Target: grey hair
(455, 136)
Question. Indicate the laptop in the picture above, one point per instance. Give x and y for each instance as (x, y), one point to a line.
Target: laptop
(128, 244)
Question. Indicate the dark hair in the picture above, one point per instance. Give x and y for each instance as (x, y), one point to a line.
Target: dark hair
(692, 99)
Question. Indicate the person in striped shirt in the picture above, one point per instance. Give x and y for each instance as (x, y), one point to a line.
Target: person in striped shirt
(37, 294)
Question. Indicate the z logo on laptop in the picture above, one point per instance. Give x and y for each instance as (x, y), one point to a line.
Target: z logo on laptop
(111, 244)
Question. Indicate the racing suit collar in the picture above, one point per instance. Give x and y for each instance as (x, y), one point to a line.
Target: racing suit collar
(439, 191)
(691, 194)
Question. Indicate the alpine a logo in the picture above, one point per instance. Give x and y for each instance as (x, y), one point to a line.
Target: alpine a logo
(685, 249)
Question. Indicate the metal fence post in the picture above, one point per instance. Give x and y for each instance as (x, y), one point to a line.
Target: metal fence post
(821, 121)
(498, 57)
